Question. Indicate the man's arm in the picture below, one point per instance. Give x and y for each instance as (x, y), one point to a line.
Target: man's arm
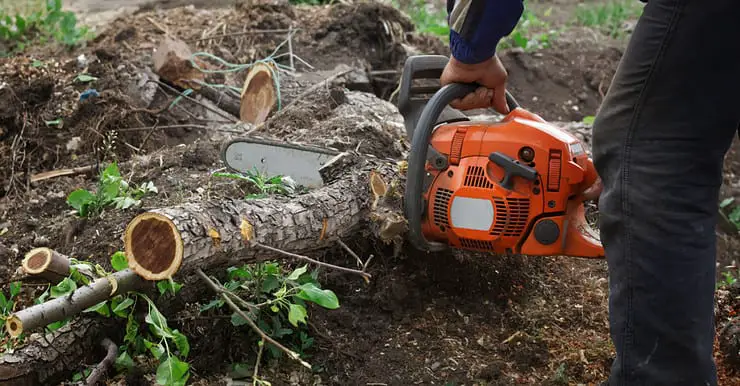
(477, 26)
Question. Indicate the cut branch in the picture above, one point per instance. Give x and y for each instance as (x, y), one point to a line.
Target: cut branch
(40, 315)
(111, 351)
(163, 242)
(46, 264)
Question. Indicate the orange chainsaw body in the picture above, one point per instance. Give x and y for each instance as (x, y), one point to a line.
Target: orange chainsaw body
(537, 210)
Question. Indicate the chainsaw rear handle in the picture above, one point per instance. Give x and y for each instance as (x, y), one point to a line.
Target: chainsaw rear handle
(418, 155)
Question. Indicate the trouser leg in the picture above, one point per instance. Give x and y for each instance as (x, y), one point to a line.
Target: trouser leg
(659, 143)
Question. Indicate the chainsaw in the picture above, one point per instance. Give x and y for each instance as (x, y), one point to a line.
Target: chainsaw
(510, 186)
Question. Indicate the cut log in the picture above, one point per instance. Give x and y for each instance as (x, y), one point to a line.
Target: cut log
(162, 243)
(172, 63)
(259, 95)
(50, 358)
(58, 309)
(46, 264)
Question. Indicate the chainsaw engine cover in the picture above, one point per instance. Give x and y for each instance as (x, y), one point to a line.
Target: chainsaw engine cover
(506, 187)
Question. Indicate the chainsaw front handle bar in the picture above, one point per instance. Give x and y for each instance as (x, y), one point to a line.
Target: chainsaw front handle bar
(418, 156)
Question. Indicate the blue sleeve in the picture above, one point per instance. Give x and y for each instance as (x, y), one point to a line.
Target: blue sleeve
(477, 26)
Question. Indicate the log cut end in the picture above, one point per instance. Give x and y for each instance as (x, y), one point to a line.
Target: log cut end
(37, 260)
(14, 326)
(153, 246)
(259, 96)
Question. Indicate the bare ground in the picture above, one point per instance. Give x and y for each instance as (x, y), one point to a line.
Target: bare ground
(423, 319)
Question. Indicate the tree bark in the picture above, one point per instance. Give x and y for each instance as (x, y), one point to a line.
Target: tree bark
(47, 264)
(162, 243)
(40, 315)
(43, 359)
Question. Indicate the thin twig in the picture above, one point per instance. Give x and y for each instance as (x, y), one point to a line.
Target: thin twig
(110, 357)
(290, 47)
(250, 32)
(183, 126)
(349, 250)
(220, 113)
(215, 287)
(259, 358)
(365, 275)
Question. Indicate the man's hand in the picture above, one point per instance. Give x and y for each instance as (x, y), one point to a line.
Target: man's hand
(491, 75)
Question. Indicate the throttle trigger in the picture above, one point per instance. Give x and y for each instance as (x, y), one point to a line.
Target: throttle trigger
(512, 168)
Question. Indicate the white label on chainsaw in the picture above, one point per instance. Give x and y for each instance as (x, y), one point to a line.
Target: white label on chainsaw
(472, 213)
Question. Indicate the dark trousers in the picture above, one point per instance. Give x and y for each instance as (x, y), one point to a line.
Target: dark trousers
(660, 138)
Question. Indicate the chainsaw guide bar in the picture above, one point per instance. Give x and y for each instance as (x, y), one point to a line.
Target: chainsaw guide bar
(301, 162)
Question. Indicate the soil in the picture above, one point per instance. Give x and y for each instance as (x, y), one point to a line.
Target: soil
(445, 318)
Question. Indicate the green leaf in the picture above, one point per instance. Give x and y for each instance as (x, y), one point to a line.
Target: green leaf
(168, 285)
(237, 320)
(181, 341)
(726, 201)
(55, 122)
(119, 261)
(64, 288)
(324, 298)
(297, 314)
(157, 349)
(157, 323)
(270, 284)
(15, 289)
(216, 303)
(121, 307)
(172, 371)
(297, 273)
(84, 78)
(101, 308)
(589, 120)
(124, 361)
(79, 200)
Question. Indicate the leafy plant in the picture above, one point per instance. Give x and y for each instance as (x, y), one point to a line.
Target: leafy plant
(262, 184)
(530, 33)
(47, 22)
(7, 306)
(609, 17)
(278, 301)
(112, 190)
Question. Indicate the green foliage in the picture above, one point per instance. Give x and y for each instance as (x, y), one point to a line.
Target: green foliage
(154, 337)
(278, 301)
(7, 307)
(49, 22)
(531, 33)
(608, 17)
(262, 184)
(112, 190)
(426, 20)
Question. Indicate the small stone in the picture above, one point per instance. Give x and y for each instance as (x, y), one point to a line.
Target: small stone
(435, 365)
(41, 241)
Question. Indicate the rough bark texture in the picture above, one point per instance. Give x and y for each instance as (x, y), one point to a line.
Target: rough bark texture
(43, 359)
(58, 309)
(219, 232)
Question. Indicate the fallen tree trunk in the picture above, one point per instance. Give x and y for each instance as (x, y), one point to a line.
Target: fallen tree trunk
(41, 315)
(162, 243)
(45, 358)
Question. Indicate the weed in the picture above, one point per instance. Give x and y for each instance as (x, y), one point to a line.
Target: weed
(427, 19)
(112, 190)
(608, 17)
(278, 301)
(262, 184)
(531, 33)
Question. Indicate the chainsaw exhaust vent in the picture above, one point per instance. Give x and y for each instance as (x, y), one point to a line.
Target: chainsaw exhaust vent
(441, 206)
(511, 216)
(476, 244)
(476, 177)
